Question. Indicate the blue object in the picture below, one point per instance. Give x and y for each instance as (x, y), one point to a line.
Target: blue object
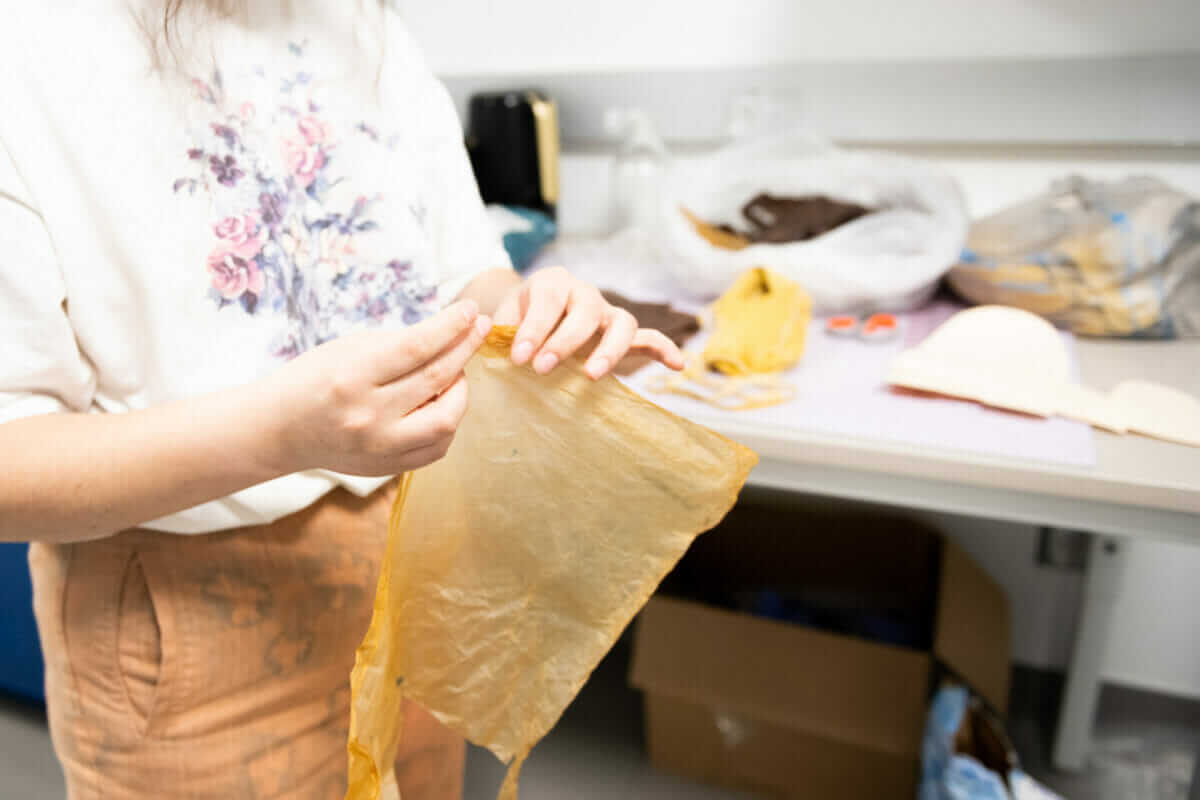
(21, 670)
(949, 775)
(524, 245)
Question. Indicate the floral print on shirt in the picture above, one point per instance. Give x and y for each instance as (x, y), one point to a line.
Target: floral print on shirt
(280, 244)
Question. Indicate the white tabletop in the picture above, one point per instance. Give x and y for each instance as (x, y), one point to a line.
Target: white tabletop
(1138, 487)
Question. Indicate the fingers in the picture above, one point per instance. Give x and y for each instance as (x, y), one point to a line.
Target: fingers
(616, 341)
(586, 314)
(422, 457)
(659, 346)
(548, 293)
(559, 315)
(437, 420)
(439, 373)
(509, 312)
(403, 351)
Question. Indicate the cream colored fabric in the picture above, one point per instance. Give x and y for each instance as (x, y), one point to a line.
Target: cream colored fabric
(515, 562)
(1013, 359)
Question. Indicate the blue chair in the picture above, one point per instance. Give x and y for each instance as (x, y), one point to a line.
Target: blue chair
(21, 670)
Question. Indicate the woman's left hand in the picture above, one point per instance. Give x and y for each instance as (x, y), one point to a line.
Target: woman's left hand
(557, 314)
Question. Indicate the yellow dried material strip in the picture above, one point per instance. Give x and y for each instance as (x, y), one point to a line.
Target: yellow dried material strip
(514, 563)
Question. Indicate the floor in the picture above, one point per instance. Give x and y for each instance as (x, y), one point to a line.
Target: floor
(595, 753)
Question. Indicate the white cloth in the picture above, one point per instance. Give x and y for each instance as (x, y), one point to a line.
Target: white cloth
(173, 231)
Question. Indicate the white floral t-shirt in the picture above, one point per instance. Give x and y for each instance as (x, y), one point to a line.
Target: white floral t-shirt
(173, 230)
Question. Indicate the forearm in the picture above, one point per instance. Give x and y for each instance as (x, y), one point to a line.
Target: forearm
(69, 477)
(489, 288)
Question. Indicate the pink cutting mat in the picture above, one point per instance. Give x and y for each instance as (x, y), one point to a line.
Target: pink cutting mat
(840, 390)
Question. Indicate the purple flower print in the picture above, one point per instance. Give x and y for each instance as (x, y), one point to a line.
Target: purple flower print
(270, 208)
(195, 153)
(368, 130)
(228, 134)
(377, 309)
(225, 169)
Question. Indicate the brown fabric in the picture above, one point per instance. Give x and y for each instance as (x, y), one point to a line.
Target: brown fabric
(678, 326)
(217, 666)
(779, 220)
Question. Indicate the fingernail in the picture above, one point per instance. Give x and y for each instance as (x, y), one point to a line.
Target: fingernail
(545, 362)
(470, 310)
(598, 366)
(522, 351)
(483, 324)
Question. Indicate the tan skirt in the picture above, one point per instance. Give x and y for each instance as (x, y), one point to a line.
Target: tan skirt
(217, 666)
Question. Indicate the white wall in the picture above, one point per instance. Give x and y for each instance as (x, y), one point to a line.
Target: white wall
(1155, 643)
(474, 36)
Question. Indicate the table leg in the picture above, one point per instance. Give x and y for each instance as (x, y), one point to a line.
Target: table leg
(1107, 560)
(1194, 791)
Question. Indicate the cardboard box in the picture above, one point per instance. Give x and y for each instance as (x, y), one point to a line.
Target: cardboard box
(795, 711)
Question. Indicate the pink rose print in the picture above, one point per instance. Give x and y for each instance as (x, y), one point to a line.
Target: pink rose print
(233, 275)
(242, 235)
(303, 160)
(314, 130)
(284, 244)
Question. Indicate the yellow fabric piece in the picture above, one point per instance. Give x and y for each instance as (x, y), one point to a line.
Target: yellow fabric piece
(761, 324)
(514, 563)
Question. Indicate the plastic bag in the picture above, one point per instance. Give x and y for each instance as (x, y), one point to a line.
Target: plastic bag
(515, 562)
(891, 259)
(1101, 259)
(967, 755)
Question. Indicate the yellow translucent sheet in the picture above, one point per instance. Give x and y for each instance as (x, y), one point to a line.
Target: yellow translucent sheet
(514, 563)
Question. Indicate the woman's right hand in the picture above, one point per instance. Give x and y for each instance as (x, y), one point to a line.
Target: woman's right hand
(377, 402)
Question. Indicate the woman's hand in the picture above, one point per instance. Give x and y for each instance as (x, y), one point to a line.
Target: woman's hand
(557, 314)
(378, 402)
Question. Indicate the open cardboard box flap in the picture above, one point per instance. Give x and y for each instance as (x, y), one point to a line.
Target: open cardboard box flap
(972, 631)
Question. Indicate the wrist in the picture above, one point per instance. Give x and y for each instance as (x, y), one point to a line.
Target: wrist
(268, 433)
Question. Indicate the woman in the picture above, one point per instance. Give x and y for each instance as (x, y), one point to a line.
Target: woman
(244, 265)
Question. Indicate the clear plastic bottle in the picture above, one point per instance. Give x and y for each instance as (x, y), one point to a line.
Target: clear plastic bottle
(638, 169)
